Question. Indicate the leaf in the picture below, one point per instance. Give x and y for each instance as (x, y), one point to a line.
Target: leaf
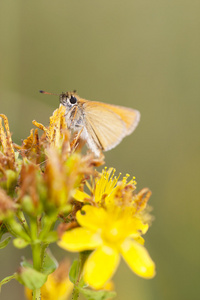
(97, 295)
(3, 230)
(31, 278)
(50, 264)
(5, 242)
(20, 243)
(7, 279)
(74, 271)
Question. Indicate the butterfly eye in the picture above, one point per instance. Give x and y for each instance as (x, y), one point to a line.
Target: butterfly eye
(73, 100)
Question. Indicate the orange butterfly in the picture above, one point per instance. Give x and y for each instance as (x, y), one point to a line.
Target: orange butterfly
(101, 125)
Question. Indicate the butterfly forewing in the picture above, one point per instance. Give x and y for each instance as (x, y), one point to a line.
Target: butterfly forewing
(129, 116)
(104, 125)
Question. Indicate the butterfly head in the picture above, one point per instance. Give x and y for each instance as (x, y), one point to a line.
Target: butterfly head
(69, 99)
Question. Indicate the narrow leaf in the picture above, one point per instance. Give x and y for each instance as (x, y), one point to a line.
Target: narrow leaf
(5, 242)
(74, 271)
(3, 230)
(7, 279)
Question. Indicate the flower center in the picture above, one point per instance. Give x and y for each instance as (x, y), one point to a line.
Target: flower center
(112, 235)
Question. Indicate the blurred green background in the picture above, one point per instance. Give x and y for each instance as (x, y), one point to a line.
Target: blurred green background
(140, 54)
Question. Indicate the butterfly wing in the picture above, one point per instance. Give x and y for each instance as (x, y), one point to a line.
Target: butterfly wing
(129, 116)
(108, 124)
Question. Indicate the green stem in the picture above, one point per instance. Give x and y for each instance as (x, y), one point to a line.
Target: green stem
(47, 225)
(36, 252)
(36, 256)
(36, 247)
(36, 294)
(75, 294)
(82, 258)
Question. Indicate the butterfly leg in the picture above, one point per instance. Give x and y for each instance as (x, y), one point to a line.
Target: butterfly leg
(77, 137)
(70, 118)
(74, 110)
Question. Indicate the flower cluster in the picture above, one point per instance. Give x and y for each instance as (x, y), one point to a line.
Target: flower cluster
(51, 193)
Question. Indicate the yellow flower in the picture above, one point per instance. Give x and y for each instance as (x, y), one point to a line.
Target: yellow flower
(112, 235)
(106, 189)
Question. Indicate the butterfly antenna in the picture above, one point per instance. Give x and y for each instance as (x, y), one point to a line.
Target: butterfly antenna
(47, 93)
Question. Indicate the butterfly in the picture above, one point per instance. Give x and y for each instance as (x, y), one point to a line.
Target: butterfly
(101, 125)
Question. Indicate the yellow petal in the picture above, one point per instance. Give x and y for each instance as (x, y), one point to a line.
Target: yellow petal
(79, 239)
(131, 226)
(80, 196)
(139, 240)
(91, 217)
(100, 266)
(138, 259)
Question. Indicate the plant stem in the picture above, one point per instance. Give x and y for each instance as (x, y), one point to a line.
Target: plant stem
(82, 258)
(75, 294)
(36, 256)
(36, 253)
(37, 294)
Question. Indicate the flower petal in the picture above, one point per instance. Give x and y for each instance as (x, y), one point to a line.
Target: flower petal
(131, 226)
(79, 195)
(139, 240)
(138, 259)
(79, 239)
(100, 266)
(91, 217)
